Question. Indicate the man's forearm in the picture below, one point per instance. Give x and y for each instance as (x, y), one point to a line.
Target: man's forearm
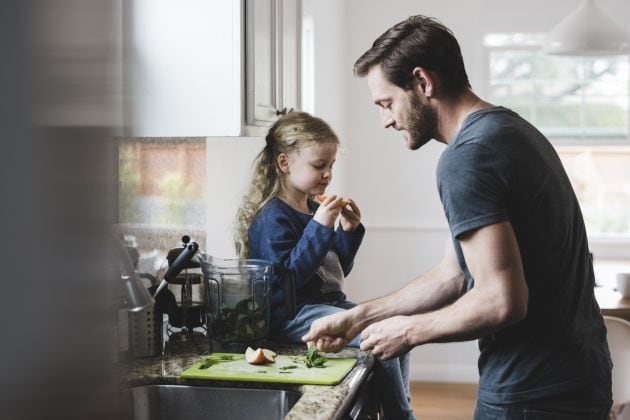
(429, 292)
(474, 315)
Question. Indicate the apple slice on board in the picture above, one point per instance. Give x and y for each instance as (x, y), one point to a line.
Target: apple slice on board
(342, 203)
(270, 355)
(259, 356)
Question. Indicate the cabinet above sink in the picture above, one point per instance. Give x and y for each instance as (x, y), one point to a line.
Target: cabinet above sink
(272, 61)
(219, 68)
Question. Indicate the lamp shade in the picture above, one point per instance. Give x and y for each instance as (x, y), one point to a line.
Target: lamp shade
(587, 31)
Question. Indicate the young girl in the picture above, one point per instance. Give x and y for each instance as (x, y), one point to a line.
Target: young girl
(280, 222)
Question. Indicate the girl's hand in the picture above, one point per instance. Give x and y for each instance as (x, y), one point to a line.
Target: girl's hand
(350, 217)
(328, 211)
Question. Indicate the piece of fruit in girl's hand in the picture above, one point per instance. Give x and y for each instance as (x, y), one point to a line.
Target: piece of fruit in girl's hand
(342, 203)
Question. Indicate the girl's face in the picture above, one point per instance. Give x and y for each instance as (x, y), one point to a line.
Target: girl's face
(309, 170)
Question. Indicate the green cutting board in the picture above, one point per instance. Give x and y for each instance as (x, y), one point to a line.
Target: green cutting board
(238, 369)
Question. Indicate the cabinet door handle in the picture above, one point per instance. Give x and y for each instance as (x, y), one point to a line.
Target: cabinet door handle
(283, 111)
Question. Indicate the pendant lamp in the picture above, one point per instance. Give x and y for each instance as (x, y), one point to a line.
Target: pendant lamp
(587, 31)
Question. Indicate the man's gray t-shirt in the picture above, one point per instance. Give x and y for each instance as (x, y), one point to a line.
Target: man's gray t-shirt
(500, 168)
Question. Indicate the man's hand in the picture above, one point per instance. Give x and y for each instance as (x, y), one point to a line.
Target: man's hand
(388, 338)
(333, 332)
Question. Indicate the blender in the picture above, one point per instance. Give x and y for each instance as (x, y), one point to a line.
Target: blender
(238, 300)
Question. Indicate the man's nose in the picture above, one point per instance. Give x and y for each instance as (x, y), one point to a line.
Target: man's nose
(387, 119)
(388, 122)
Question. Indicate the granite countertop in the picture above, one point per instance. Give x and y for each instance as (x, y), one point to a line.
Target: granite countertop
(317, 401)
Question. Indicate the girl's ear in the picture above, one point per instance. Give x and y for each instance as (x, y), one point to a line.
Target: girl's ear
(425, 82)
(283, 163)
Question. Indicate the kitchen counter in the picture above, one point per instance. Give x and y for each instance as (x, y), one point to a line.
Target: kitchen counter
(317, 401)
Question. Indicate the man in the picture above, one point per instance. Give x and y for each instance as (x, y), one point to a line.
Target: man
(516, 272)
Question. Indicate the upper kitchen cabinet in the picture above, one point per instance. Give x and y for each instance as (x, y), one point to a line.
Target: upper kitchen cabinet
(182, 68)
(272, 61)
(209, 68)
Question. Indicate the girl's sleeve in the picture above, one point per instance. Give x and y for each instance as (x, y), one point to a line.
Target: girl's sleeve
(346, 246)
(280, 241)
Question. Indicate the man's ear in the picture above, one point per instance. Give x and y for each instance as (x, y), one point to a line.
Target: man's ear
(283, 162)
(425, 82)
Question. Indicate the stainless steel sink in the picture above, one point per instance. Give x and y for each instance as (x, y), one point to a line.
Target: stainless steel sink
(165, 402)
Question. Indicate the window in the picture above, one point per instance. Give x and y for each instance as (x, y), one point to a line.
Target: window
(571, 98)
(162, 194)
(582, 105)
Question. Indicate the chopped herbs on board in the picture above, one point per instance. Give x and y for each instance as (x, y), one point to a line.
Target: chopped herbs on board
(314, 359)
(215, 359)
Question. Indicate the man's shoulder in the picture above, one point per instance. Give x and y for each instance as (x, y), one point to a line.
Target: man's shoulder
(494, 125)
(483, 142)
(492, 114)
(492, 133)
(488, 125)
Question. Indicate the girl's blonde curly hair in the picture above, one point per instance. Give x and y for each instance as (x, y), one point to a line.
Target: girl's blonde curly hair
(289, 134)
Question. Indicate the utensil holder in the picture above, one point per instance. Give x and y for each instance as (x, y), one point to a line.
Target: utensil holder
(146, 332)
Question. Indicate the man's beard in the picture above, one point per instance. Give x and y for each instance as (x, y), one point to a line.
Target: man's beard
(421, 122)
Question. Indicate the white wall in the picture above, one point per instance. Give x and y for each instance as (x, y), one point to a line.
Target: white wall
(329, 101)
(394, 187)
(229, 163)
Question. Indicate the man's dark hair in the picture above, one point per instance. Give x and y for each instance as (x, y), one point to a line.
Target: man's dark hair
(418, 41)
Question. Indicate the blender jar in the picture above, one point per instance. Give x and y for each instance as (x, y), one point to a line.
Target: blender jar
(237, 299)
